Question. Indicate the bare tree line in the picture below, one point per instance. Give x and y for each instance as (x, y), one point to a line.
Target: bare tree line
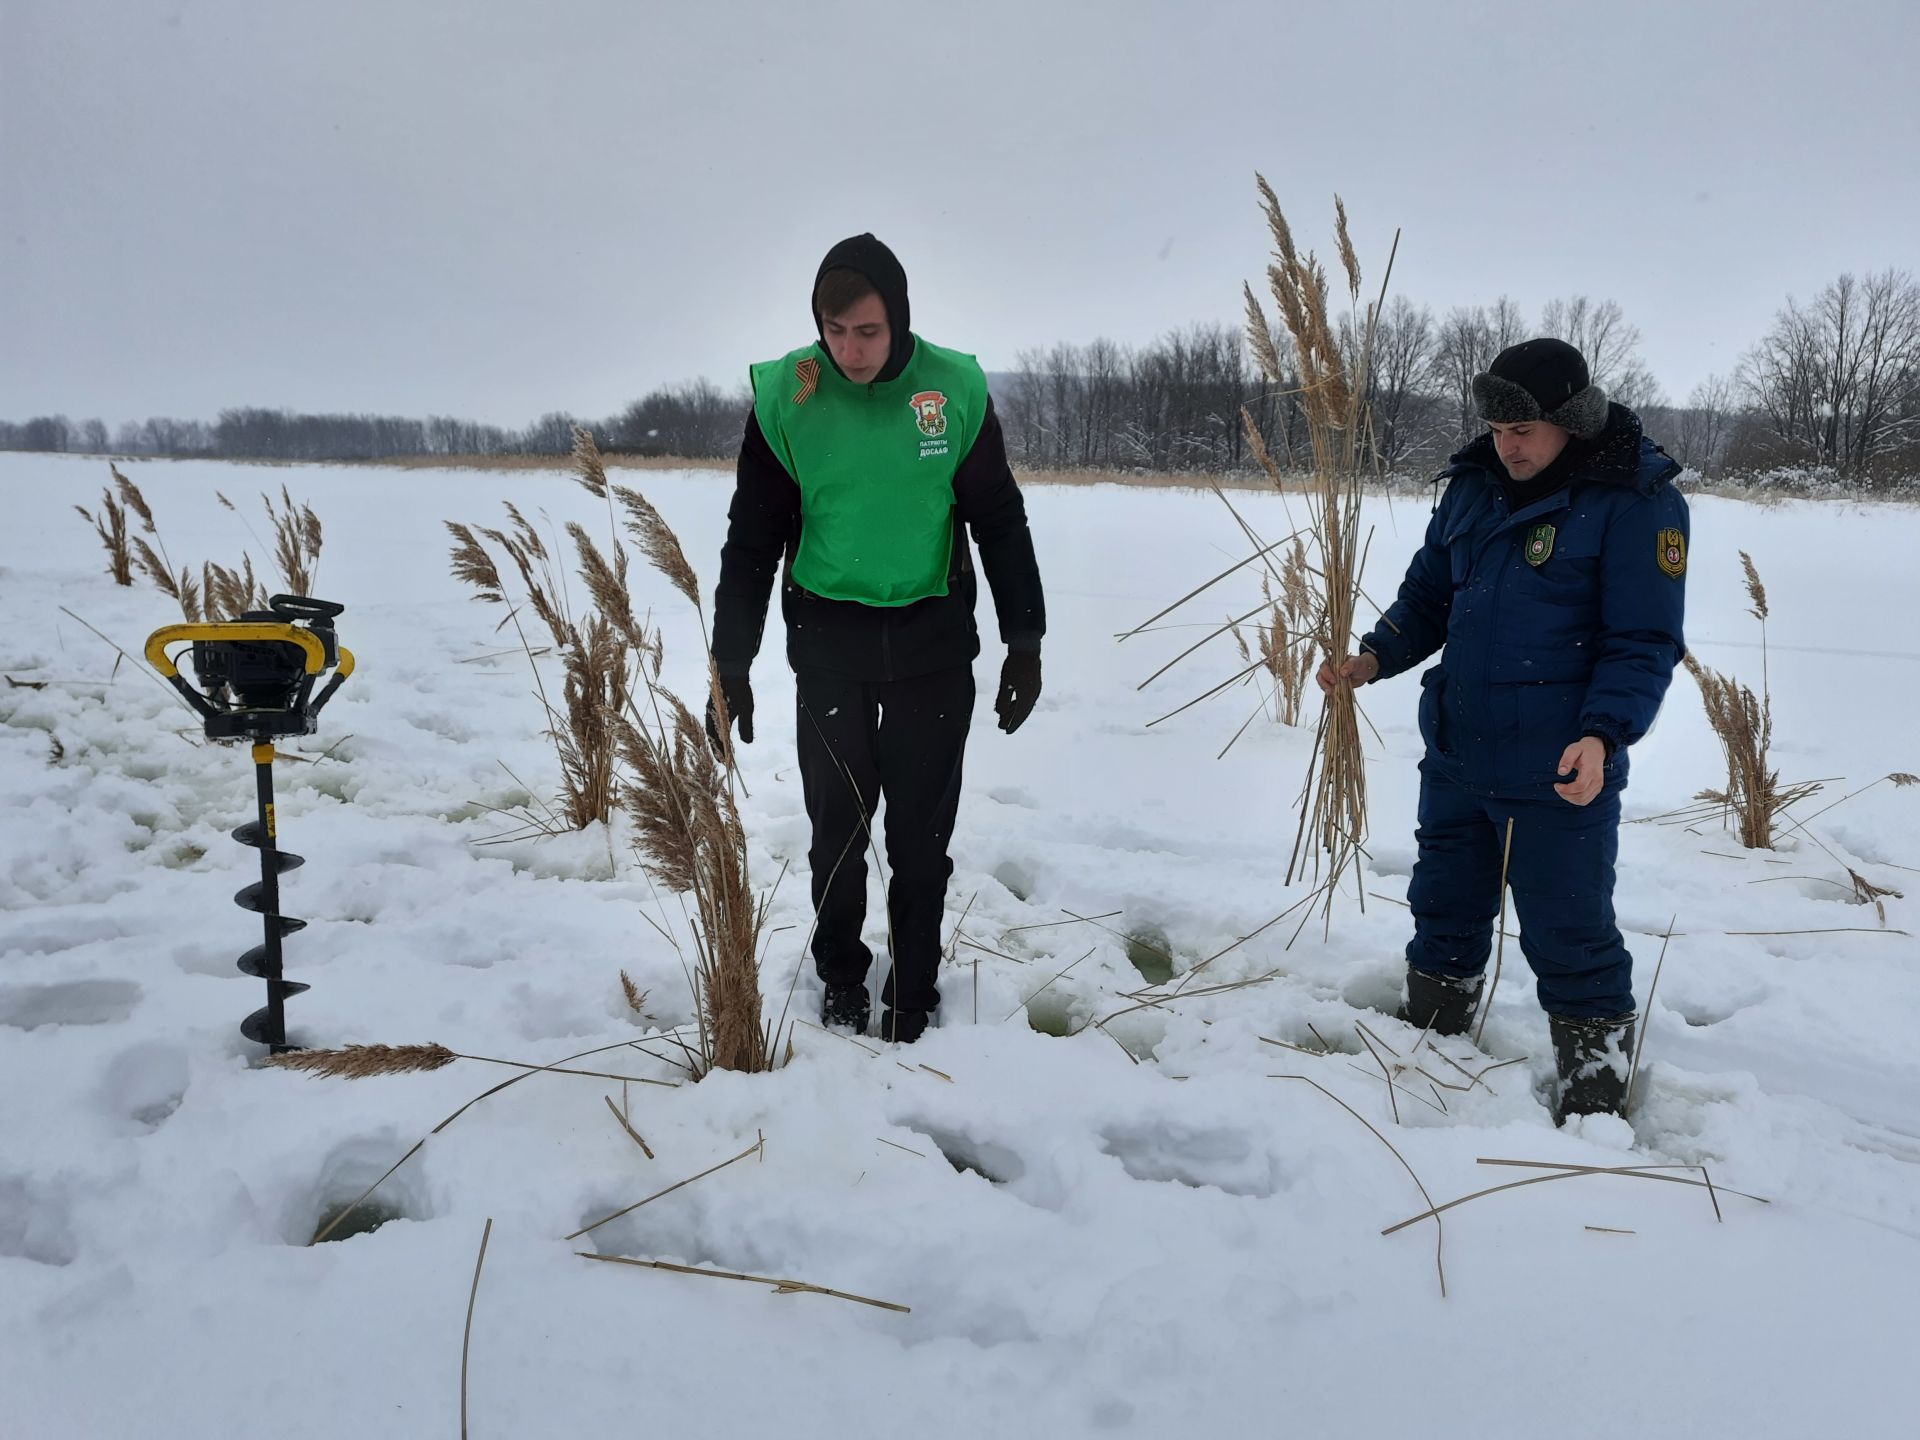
(695, 420)
(1833, 385)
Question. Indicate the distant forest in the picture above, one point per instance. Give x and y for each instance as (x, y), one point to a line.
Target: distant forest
(1831, 388)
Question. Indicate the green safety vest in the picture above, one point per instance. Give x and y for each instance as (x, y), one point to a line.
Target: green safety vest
(875, 466)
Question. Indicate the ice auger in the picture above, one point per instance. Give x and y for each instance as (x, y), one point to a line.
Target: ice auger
(257, 675)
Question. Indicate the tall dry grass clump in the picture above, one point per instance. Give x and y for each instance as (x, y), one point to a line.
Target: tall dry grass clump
(214, 591)
(296, 541)
(1333, 384)
(681, 799)
(1753, 798)
(599, 651)
(625, 740)
(111, 526)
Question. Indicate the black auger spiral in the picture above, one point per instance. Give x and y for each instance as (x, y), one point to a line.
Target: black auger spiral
(257, 675)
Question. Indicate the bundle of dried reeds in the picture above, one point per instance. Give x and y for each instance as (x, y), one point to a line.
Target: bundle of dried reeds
(1333, 385)
(1284, 640)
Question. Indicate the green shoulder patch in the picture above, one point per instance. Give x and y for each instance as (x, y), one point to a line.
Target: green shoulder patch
(1539, 545)
(1673, 553)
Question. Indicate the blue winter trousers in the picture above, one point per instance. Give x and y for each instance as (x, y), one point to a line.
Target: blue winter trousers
(1561, 876)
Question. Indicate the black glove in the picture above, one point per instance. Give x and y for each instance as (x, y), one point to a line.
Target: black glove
(739, 697)
(1019, 688)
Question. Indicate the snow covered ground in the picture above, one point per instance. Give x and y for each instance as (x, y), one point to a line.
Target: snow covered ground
(1092, 1237)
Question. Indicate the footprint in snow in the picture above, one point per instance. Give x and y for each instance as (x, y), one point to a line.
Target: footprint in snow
(67, 1002)
(1218, 1158)
(145, 1083)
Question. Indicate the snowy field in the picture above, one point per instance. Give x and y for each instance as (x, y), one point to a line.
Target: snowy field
(1146, 1237)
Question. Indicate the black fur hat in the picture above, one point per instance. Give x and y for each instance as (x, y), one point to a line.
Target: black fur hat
(1541, 380)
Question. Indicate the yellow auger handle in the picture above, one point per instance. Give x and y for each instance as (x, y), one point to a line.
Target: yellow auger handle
(316, 653)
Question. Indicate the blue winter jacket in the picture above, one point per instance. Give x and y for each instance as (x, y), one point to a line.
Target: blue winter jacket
(1560, 620)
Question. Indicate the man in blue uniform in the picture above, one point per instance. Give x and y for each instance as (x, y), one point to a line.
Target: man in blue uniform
(1554, 576)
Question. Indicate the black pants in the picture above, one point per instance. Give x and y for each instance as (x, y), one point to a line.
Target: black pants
(861, 741)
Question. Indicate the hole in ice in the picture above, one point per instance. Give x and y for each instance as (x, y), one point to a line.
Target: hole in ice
(1151, 953)
(1017, 878)
(1051, 1013)
(992, 1162)
(344, 1178)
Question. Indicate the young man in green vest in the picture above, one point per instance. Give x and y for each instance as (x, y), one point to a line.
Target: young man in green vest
(864, 455)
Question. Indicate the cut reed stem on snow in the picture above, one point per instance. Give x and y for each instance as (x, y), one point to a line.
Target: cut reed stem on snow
(466, 1337)
(758, 1147)
(780, 1287)
(1568, 1172)
(360, 1062)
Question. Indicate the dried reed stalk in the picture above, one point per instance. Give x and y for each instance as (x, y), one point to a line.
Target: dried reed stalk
(111, 527)
(1753, 798)
(1646, 1011)
(757, 1148)
(1500, 943)
(1439, 1232)
(466, 1339)
(625, 1125)
(1743, 723)
(597, 652)
(1333, 383)
(623, 739)
(636, 997)
(360, 1062)
(296, 543)
(780, 1287)
(1284, 642)
(690, 837)
(218, 592)
(1570, 1172)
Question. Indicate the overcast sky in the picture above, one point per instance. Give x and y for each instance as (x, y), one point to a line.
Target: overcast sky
(496, 209)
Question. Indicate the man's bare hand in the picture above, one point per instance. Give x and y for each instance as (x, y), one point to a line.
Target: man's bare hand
(1585, 760)
(1355, 670)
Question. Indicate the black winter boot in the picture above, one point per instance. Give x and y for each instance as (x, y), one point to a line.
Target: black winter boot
(1439, 1003)
(904, 1026)
(847, 1006)
(1593, 1057)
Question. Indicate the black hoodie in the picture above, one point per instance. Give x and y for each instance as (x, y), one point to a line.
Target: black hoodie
(867, 257)
(844, 637)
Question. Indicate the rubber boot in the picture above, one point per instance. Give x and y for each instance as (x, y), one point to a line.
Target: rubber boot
(904, 1026)
(1593, 1057)
(1439, 1003)
(846, 1006)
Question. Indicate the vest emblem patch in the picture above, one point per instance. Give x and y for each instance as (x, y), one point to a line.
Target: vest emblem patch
(930, 412)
